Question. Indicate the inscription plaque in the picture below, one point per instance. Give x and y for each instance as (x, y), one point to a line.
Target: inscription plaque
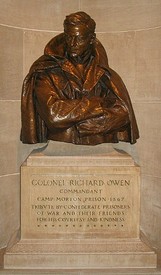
(74, 204)
(81, 200)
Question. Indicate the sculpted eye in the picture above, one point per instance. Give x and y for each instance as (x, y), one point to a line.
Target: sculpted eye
(78, 38)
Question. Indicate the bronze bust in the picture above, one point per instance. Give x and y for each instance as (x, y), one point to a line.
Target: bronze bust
(72, 95)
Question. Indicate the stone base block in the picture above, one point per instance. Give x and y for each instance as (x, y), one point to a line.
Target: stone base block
(80, 211)
(89, 196)
(79, 254)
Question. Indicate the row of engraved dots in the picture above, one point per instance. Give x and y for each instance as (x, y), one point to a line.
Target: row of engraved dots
(94, 225)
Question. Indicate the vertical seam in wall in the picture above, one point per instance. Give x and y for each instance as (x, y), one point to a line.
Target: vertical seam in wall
(79, 4)
(23, 53)
(135, 54)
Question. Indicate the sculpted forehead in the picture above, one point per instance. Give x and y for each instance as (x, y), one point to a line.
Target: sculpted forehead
(73, 30)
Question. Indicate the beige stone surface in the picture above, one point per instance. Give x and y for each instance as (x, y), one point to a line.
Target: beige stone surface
(49, 15)
(67, 154)
(150, 159)
(152, 221)
(106, 271)
(148, 64)
(150, 137)
(42, 15)
(9, 207)
(11, 57)
(86, 255)
(9, 138)
(34, 44)
(123, 15)
(13, 152)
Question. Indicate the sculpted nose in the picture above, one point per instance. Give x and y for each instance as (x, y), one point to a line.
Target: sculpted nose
(74, 41)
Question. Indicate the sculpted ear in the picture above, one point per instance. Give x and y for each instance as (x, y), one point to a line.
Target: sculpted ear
(93, 37)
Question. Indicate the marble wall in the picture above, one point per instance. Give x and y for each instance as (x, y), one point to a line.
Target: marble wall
(130, 30)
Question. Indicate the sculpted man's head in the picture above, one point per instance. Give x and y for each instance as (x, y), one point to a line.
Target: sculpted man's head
(79, 29)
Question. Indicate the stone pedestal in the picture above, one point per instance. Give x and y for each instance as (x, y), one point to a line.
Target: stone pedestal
(80, 212)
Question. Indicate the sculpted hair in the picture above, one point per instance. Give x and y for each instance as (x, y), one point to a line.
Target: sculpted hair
(80, 18)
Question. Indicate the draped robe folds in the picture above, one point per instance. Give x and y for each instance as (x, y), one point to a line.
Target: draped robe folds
(57, 104)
